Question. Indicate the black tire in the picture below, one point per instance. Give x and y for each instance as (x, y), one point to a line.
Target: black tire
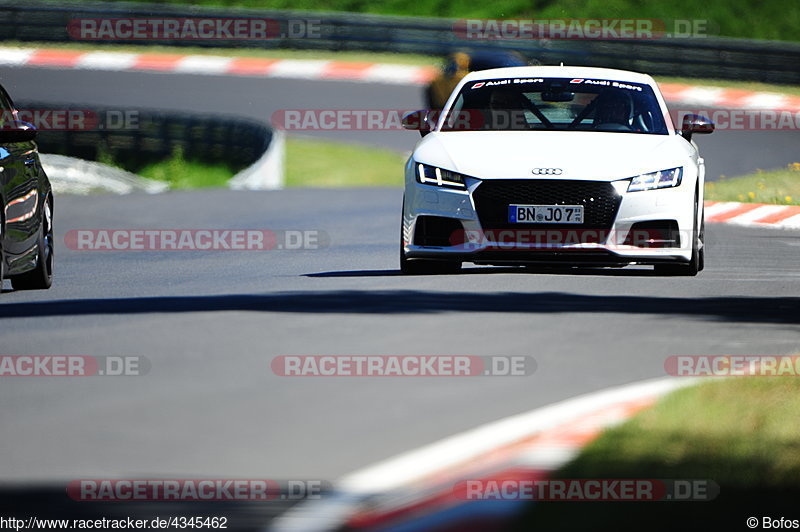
(702, 253)
(2, 258)
(41, 277)
(697, 262)
(428, 266)
(423, 266)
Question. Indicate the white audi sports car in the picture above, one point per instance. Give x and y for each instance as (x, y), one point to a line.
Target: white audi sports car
(554, 165)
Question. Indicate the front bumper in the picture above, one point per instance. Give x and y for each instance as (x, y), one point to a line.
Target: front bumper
(646, 227)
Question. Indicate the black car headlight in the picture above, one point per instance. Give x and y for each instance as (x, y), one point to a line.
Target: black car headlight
(653, 180)
(431, 175)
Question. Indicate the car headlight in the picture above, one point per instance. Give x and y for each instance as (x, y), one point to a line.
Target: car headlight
(654, 180)
(431, 175)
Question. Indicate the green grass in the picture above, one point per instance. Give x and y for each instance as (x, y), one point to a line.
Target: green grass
(741, 433)
(781, 187)
(321, 163)
(775, 19)
(309, 163)
(739, 421)
(180, 173)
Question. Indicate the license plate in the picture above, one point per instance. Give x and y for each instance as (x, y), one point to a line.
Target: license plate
(545, 214)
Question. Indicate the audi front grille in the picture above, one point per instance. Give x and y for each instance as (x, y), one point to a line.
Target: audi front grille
(599, 199)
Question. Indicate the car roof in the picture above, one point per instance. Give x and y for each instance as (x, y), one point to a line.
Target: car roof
(560, 72)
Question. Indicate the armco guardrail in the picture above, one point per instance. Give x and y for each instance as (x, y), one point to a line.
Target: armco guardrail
(150, 136)
(695, 57)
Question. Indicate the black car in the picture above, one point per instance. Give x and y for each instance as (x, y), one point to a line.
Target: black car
(26, 220)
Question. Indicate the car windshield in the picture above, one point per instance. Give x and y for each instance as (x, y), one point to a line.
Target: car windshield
(556, 104)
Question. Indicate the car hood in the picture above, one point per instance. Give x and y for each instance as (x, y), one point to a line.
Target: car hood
(580, 155)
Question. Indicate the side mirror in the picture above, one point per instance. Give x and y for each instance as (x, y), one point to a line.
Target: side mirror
(696, 124)
(25, 134)
(417, 120)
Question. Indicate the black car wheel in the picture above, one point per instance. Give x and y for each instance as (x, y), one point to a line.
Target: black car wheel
(2, 258)
(41, 277)
(428, 266)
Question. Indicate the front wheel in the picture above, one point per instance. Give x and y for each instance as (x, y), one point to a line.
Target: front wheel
(2, 257)
(428, 266)
(702, 253)
(41, 277)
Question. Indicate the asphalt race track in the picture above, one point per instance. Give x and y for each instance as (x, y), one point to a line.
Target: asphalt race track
(210, 322)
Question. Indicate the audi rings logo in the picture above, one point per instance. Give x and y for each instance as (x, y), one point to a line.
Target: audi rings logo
(547, 171)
